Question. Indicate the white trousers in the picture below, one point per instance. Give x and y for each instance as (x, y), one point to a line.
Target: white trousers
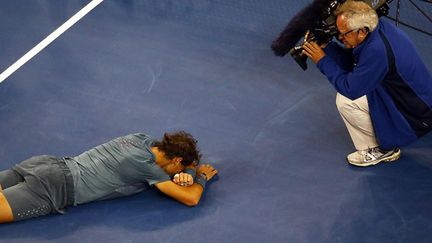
(355, 114)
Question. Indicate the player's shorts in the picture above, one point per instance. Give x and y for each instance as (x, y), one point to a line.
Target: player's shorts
(42, 185)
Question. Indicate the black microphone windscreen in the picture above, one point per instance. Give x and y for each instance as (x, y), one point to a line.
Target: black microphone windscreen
(298, 26)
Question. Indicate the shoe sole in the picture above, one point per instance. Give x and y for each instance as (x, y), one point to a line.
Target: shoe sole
(394, 157)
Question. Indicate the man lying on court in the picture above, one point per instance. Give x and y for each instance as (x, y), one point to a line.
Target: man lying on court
(120, 167)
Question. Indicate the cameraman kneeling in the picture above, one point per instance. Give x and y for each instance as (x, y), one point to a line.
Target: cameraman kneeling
(384, 89)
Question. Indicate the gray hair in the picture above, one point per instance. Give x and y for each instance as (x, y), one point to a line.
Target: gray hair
(359, 14)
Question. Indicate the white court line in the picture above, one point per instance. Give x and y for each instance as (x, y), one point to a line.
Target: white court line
(45, 42)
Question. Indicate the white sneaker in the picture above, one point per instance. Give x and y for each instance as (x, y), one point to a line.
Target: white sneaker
(372, 156)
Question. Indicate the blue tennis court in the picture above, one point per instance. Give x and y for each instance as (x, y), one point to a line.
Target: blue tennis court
(270, 128)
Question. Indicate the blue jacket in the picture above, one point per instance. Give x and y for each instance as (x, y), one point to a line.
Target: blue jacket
(386, 68)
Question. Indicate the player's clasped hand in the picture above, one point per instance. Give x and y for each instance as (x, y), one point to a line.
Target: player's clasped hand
(183, 179)
(313, 51)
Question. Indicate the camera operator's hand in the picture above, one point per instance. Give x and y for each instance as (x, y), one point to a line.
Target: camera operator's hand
(313, 51)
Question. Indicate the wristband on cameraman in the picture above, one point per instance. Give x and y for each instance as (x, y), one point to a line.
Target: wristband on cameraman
(201, 180)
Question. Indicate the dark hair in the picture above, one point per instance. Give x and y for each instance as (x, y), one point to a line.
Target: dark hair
(180, 144)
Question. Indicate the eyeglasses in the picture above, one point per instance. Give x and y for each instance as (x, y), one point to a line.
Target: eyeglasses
(343, 35)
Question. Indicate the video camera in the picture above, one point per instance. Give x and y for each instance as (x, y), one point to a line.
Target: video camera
(316, 22)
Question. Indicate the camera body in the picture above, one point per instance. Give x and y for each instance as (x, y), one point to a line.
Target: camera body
(315, 23)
